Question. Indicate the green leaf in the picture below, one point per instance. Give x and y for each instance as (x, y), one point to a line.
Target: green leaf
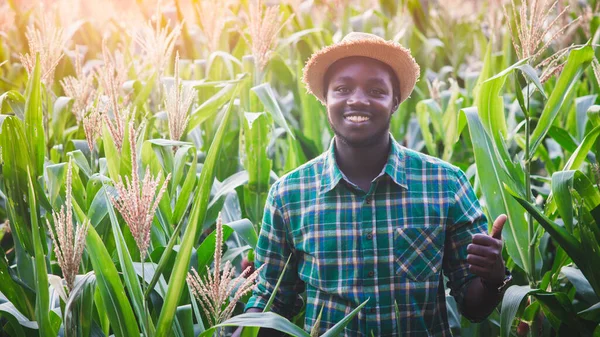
(491, 105)
(513, 297)
(82, 163)
(80, 304)
(576, 63)
(256, 137)
(211, 106)
(206, 250)
(562, 183)
(42, 298)
(568, 242)
(274, 293)
(229, 185)
(582, 150)
(164, 259)
(112, 154)
(338, 328)
(111, 289)
(192, 232)
(583, 286)
(15, 101)
(262, 320)
(144, 91)
(492, 178)
(531, 74)
(132, 283)
(14, 291)
(246, 231)
(60, 116)
(16, 160)
(16, 319)
(34, 121)
(267, 97)
(428, 111)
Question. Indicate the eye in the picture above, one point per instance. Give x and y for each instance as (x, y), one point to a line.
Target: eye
(377, 92)
(342, 89)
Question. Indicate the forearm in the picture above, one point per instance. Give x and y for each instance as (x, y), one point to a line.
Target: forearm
(479, 302)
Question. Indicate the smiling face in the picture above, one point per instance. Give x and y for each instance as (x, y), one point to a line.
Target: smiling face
(361, 98)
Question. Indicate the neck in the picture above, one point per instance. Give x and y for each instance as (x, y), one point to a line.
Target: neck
(362, 164)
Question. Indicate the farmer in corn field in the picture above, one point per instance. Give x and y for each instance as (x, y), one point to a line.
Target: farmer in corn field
(370, 219)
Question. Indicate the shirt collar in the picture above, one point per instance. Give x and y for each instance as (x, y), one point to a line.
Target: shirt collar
(395, 167)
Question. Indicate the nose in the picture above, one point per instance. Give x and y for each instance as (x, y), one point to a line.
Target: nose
(358, 98)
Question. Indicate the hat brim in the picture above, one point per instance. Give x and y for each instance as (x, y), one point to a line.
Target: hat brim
(393, 54)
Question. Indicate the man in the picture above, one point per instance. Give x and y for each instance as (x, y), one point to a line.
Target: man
(370, 219)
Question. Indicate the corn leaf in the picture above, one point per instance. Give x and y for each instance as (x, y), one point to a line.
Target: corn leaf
(582, 150)
(132, 283)
(262, 320)
(42, 299)
(246, 231)
(117, 306)
(492, 177)
(192, 232)
(428, 111)
(164, 259)
(577, 61)
(312, 112)
(576, 160)
(256, 137)
(512, 300)
(15, 155)
(13, 291)
(267, 97)
(338, 328)
(568, 242)
(33, 120)
(562, 184)
(15, 101)
(211, 106)
(81, 301)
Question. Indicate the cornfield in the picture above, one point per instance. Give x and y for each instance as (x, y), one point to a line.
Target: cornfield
(139, 139)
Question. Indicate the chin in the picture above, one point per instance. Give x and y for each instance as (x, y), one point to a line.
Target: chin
(359, 142)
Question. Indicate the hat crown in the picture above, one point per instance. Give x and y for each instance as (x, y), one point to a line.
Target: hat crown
(360, 36)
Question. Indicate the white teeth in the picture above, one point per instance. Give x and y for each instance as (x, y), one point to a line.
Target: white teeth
(357, 119)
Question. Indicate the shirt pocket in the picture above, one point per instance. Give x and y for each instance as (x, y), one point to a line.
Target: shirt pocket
(418, 251)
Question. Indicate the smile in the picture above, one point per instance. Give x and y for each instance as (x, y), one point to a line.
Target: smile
(356, 119)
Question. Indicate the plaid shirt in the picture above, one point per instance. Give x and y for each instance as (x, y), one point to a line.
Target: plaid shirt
(388, 245)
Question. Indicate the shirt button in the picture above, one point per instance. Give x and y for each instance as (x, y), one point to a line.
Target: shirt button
(371, 273)
(369, 236)
(368, 201)
(373, 310)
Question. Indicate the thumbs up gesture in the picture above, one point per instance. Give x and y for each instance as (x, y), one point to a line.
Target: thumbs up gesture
(485, 254)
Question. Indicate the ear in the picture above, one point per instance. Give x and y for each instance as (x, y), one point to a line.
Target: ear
(396, 104)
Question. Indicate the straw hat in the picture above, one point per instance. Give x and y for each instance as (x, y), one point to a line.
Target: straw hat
(362, 44)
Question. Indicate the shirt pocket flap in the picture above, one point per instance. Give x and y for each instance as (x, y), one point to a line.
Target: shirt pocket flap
(418, 251)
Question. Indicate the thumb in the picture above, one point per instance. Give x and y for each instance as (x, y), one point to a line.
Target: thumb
(497, 227)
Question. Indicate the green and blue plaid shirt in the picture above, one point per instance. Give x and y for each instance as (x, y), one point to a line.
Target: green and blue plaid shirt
(390, 244)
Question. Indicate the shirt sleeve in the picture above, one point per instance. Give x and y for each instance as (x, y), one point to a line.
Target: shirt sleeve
(465, 219)
(273, 249)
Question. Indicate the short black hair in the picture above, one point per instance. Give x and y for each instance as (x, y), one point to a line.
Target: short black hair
(395, 80)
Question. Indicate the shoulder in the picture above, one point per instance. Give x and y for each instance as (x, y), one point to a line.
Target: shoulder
(418, 160)
(304, 177)
(419, 165)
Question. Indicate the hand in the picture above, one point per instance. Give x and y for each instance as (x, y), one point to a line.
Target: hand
(485, 254)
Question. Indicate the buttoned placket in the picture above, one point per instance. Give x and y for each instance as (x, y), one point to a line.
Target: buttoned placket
(369, 249)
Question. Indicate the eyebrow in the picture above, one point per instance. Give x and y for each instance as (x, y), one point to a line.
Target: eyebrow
(376, 80)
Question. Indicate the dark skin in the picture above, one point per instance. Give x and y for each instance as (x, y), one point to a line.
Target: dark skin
(361, 99)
